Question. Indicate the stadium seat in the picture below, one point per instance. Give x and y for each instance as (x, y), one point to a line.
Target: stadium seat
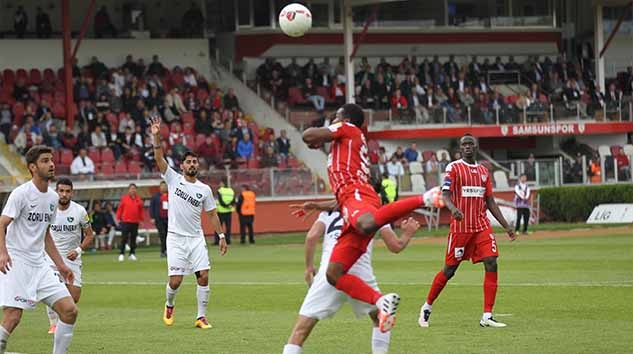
(440, 152)
(501, 179)
(66, 157)
(187, 117)
(107, 156)
(199, 139)
(106, 169)
(604, 150)
(95, 155)
(49, 75)
(628, 149)
(120, 168)
(415, 167)
(134, 167)
(35, 77)
(253, 163)
(417, 184)
(426, 155)
(188, 128)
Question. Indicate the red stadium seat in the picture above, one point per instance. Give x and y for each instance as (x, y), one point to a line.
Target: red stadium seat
(134, 167)
(95, 155)
(199, 139)
(120, 169)
(8, 76)
(66, 157)
(253, 163)
(21, 74)
(106, 169)
(426, 154)
(35, 77)
(187, 117)
(107, 156)
(49, 75)
(188, 128)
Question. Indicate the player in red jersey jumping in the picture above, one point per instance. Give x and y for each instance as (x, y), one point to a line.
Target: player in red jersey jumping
(467, 192)
(348, 171)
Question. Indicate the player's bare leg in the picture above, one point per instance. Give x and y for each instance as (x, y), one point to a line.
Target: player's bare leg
(301, 331)
(202, 296)
(439, 282)
(67, 312)
(379, 340)
(490, 293)
(170, 294)
(11, 317)
(75, 293)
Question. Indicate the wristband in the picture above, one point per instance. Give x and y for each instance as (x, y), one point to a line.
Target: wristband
(79, 251)
(221, 236)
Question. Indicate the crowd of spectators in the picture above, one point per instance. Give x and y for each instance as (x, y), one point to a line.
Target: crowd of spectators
(429, 91)
(112, 110)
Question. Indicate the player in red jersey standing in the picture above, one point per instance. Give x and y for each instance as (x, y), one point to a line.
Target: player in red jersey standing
(348, 171)
(467, 192)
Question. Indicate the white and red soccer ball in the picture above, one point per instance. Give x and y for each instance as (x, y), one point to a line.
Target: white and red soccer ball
(295, 20)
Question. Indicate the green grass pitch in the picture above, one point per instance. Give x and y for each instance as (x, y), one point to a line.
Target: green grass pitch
(557, 295)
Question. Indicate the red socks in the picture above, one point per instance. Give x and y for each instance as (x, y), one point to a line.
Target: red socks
(357, 289)
(393, 211)
(438, 284)
(490, 290)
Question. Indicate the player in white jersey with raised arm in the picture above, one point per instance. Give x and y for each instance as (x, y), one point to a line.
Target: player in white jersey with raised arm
(186, 246)
(25, 276)
(70, 222)
(323, 300)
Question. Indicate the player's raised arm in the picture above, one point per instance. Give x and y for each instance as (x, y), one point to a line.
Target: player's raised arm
(5, 259)
(158, 148)
(494, 209)
(312, 239)
(396, 244)
(307, 208)
(316, 137)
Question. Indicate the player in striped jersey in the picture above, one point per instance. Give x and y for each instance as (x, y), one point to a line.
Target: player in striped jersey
(323, 300)
(467, 192)
(71, 220)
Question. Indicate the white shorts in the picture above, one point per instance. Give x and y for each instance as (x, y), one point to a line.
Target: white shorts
(75, 267)
(323, 300)
(186, 255)
(25, 285)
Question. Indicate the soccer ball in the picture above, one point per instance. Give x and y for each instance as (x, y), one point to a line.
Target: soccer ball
(295, 20)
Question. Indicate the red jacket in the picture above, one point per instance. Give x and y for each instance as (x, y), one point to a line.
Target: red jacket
(130, 210)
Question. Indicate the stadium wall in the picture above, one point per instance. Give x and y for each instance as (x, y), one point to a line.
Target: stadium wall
(47, 53)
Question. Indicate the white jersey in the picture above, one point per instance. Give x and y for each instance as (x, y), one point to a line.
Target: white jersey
(32, 212)
(187, 201)
(333, 222)
(67, 226)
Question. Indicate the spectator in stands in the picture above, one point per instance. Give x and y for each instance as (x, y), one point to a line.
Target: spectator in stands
(293, 73)
(269, 159)
(597, 104)
(628, 80)
(208, 154)
(103, 103)
(20, 22)
(245, 147)
(229, 154)
(84, 138)
(69, 139)
(382, 91)
(457, 155)
(411, 153)
(87, 114)
(26, 137)
(399, 104)
(202, 125)
(20, 91)
(129, 66)
(269, 142)
(103, 25)
(283, 144)
(443, 162)
(216, 123)
(43, 26)
(178, 141)
(367, 96)
(6, 121)
(432, 170)
(277, 85)
(264, 72)
(453, 106)
(595, 171)
(192, 22)
(192, 104)
(394, 168)
(310, 94)
(174, 107)
(230, 100)
(613, 98)
(310, 70)
(572, 96)
(382, 157)
(98, 138)
(337, 92)
(190, 78)
(52, 138)
(156, 67)
(624, 167)
(82, 165)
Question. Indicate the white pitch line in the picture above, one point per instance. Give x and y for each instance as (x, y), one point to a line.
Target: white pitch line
(613, 284)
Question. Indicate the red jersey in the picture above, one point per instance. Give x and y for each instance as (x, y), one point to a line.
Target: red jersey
(348, 161)
(469, 185)
(130, 209)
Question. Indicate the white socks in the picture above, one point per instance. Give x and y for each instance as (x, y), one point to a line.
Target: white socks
(4, 336)
(170, 295)
(202, 294)
(380, 341)
(63, 336)
(487, 315)
(426, 306)
(52, 316)
(292, 349)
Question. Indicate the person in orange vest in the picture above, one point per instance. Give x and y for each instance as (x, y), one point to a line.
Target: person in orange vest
(246, 213)
(595, 171)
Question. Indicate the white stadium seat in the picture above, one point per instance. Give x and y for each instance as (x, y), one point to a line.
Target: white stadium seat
(501, 179)
(604, 150)
(439, 153)
(415, 167)
(628, 149)
(417, 184)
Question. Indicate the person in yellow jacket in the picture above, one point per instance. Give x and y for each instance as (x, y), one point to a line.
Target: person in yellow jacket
(246, 212)
(389, 189)
(226, 207)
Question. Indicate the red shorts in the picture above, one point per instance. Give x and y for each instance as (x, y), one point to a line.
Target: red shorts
(354, 201)
(474, 246)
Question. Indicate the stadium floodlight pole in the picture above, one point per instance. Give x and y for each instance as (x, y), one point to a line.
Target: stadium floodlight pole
(348, 43)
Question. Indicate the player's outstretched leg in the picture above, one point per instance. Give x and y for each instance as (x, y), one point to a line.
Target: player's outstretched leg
(371, 222)
(170, 295)
(387, 307)
(52, 319)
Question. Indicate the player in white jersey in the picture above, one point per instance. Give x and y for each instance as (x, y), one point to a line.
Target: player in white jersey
(70, 222)
(26, 278)
(186, 246)
(323, 300)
